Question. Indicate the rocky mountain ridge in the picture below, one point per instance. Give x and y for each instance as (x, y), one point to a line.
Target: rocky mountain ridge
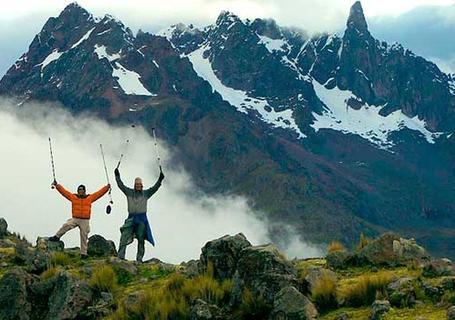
(343, 131)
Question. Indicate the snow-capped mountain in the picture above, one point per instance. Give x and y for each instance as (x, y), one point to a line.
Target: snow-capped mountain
(341, 130)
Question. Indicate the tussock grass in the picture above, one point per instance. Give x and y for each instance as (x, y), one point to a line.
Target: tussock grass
(59, 258)
(172, 300)
(324, 293)
(104, 279)
(366, 289)
(253, 307)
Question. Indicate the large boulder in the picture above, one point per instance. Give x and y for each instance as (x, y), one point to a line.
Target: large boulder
(14, 304)
(439, 268)
(223, 254)
(290, 304)
(378, 309)
(3, 228)
(70, 298)
(340, 260)
(98, 246)
(402, 292)
(389, 249)
(264, 271)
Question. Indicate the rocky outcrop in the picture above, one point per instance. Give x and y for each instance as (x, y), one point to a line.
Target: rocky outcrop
(223, 255)
(14, 299)
(201, 310)
(390, 249)
(438, 268)
(291, 304)
(402, 292)
(98, 246)
(69, 299)
(264, 271)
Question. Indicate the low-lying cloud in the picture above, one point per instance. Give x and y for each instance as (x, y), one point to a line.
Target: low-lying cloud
(183, 219)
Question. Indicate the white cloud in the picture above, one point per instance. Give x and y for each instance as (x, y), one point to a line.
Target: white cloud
(183, 218)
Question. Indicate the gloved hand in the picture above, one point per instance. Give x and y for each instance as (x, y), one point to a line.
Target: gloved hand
(54, 183)
(117, 172)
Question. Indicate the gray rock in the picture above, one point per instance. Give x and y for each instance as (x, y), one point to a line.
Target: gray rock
(3, 228)
(290, 304)
(201, 310)
(435, 293)
(14, 304)
(44, 244)
(69, 299)
(439, 268)
(191, 268)
(264, 271)
(451, 313)
(316, 273)
(340, 260)
(223, 254)
(98, 246)
(402, 292)
(378, 309)
(23, 252)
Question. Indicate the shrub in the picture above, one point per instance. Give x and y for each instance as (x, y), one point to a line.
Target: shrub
(335, 246)
(104, 279)
(366, 289)
(123, 276)
(49, 273)
(323, 292)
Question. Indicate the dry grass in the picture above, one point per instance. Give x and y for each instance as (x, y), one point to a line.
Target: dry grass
(365, 290)
(363, 242)
(104, 279)
(324, 293)
(335, 246)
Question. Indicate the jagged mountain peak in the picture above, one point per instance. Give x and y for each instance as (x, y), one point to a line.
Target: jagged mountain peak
(227, 17)
(75, 10)
(356, 18)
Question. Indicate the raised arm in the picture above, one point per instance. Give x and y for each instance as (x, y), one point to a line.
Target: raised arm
(149, 192)
(95, 196)
(120, 184)
(68, 195)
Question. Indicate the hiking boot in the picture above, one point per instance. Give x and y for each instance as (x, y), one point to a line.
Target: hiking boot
(84, 257)
(54, 238)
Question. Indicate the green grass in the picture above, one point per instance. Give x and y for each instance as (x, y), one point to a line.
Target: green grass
(104, 279)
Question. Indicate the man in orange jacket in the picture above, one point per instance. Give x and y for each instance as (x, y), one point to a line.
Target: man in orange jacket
(81, 210)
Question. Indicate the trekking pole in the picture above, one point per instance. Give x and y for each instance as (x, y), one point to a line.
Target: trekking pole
(108, 208)
(52, 161)
(121, 156)
(156, 149)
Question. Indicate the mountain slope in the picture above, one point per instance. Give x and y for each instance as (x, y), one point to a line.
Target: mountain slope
(344, 133)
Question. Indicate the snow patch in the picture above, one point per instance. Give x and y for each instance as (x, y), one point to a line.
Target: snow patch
(85, 37)
(365, 122)
(53, 56)
(240, 99)
(273, 44)
(129, 81)
(102, 53)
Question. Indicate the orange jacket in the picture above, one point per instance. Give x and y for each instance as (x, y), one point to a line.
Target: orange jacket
(82, 207)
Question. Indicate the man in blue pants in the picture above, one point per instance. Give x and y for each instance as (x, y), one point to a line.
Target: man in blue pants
(136, 225)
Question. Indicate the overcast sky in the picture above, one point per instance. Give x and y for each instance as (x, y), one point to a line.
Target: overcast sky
(21, 20)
